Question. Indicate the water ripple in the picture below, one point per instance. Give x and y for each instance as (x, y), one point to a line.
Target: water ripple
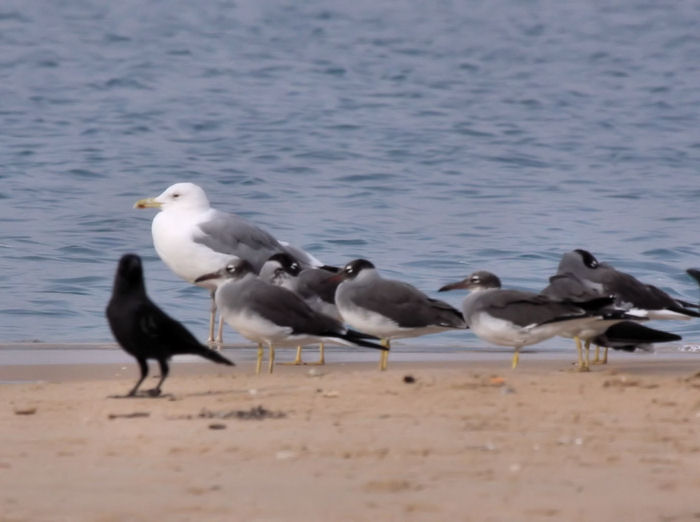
(433, 139)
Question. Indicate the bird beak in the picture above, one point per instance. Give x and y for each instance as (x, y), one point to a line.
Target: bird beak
(148, 203)
(455, 286)
(340, 276)
(207, 277)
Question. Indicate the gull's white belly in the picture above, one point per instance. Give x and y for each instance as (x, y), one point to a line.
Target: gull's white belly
(504, 333)
(589, 329)
(173, 241)
(373, 323)
(255, 327)
(498, 331)
(367, 321)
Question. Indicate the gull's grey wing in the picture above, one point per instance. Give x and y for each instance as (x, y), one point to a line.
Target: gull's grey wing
(569, 287)
(306, 259)
(629, 289)
(231, 234)
(404, 304)
(284, 308)
(524, 308)
(315, 282)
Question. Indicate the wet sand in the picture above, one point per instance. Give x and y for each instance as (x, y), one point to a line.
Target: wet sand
(450, 440)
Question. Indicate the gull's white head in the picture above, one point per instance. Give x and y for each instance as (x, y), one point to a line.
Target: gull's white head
(183, 196)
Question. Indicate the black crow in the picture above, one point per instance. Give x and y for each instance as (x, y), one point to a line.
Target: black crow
(144, 330)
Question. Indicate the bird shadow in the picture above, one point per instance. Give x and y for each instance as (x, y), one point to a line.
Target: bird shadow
(144, 395)
(211, 393)
(208, 393)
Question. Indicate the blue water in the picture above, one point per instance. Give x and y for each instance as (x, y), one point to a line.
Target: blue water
(434, 138)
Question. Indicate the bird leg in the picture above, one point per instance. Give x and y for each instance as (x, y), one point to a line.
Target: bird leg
(220, 335)
(384, 355)
(212, 318)
(271, 362)
(578, 352)
(597, 359)
(164, 370)
(258, 363)
(143, 366)
(516, 358)
(322, 355)
(582, 365)
(297, 360)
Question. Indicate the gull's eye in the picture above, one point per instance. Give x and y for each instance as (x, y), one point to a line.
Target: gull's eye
(231, 269)
(295, 266)
(475, 279)
(588, 259)
(176, 195)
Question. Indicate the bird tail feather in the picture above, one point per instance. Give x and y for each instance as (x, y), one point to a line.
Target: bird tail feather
(214, 356)
(360, 339)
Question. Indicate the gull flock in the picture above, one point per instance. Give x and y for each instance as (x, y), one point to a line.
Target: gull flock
(275, 294)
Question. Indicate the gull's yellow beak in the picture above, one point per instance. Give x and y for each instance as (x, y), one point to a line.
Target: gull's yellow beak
(147, 203)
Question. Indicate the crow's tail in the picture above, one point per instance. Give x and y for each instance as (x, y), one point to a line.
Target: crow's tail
(214, 356)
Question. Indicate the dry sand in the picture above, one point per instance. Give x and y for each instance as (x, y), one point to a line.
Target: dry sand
(464, 441)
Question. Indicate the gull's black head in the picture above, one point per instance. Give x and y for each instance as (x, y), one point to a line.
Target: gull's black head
(588, 259)
(287, 263)
(579, 262)
(237, 269)
(354, 268)
(234, 269)
(129, 273)
(480, 280)
(694, 273)
(484, 279)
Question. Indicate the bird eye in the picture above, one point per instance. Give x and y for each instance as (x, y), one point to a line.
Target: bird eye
(175, 196)
(295, 266)
(475, 279)
(230, 268)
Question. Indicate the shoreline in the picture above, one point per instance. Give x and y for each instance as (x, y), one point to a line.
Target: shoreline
(14, 354)
(68, 362)
(86, 373)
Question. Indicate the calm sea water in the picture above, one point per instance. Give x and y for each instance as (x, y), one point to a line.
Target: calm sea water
(434, 138)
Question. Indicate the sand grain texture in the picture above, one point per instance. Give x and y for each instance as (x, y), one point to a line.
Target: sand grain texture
(464, 441)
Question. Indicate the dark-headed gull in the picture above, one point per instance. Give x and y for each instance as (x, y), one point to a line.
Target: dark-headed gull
(272, 315)
(388, 308)
(517, 318)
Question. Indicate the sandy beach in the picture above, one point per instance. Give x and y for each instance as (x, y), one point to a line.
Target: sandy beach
(457, 440)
